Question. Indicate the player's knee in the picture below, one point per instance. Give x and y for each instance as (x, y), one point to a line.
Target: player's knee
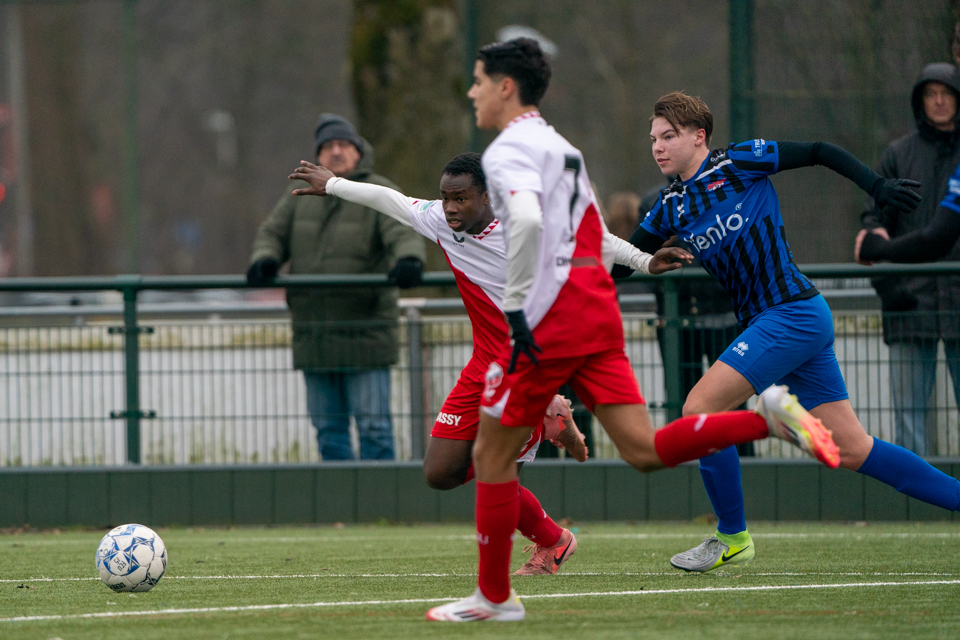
(854, 456)
(695, 404)
(442, 482)
(691, 407)
(642, 460)
(443, 477)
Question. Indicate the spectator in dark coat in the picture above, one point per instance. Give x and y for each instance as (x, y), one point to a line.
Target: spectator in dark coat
(920, 311)
(344, 339)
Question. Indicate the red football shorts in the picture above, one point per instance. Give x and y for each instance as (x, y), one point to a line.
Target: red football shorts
(459, 418)
(520, 399)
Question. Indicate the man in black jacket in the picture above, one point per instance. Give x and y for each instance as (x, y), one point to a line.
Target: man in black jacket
(919, 311)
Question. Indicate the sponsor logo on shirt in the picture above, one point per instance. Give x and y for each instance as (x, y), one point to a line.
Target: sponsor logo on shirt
(449, 418)
(587, 261)
(758, 146)
(460, 239)
(425, 205)
(717, 232)
(716, 184)
(953, 186)
(741, 348)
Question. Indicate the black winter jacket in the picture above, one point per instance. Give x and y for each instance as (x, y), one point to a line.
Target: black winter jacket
(920, 307)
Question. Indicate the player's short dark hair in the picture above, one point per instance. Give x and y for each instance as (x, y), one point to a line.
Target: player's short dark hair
(681, 110)
(468, 164)
(523, 60)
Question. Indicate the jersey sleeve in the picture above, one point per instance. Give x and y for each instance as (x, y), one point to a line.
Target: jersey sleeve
(952, 199)
(510, 168)
(755, 158)
(656, 221)
(426, 216)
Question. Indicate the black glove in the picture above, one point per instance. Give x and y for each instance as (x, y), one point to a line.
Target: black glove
(262, 271)
(522, 339)
(872, 246)
(406, 273)
(896, 194)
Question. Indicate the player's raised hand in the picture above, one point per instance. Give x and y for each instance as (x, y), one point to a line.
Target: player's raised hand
(522, 339)
(313, 174)
(668, 259)
(897, 194)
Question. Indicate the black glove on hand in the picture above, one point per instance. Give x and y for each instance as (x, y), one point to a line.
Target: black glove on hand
(406, 273)
(262, 271)
(897, 194)
(871, 247)
(522, 339)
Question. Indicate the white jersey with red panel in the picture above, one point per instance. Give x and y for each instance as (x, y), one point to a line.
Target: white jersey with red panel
(478, 263)
(571, 305)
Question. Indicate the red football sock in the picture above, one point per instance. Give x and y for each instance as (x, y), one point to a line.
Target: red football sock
(693, 437)
(498, 512)
(535, 524)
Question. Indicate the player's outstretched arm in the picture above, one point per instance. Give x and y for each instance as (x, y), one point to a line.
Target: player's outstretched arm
(923, 245)
(621, 252)
(322, 183)
(894, 193)
(642, 240)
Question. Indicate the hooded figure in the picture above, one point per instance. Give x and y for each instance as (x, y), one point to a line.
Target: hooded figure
(918, 311)
(947, 75)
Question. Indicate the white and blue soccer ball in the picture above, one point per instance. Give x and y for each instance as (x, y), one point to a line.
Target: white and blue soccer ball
(131, 557)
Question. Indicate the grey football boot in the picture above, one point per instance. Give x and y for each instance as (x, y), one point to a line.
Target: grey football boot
(712, 554)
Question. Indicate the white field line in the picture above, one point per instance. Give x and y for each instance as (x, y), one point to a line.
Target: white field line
(366, 603)
(674, 574)
(24, 541)
(836, 535)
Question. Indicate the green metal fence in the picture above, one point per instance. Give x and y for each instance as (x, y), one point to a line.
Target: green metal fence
(155, 385)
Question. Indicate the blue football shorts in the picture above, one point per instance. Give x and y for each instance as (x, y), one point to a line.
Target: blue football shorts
(791, 344)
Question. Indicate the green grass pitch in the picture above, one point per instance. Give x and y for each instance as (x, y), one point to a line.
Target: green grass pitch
(808, 581)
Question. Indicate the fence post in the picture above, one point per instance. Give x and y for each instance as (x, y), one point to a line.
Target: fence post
(671, 349)
(742, 72)
(131, 370)
(415, 345)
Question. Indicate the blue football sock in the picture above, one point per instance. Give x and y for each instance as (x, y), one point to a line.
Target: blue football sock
(721, 479)
(908, 473)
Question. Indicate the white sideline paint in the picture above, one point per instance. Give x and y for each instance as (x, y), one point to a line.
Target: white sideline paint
(674, 574)
(854, 536)
(265, 607)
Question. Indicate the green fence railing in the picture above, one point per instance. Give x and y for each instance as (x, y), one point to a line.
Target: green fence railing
(434, 349)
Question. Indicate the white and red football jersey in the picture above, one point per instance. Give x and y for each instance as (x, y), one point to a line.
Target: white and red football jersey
(478, 263)
(571, 305)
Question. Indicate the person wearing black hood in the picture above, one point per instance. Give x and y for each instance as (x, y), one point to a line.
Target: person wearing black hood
(919, 311)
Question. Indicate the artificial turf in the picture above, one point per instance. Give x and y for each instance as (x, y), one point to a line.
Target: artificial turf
(808, 581)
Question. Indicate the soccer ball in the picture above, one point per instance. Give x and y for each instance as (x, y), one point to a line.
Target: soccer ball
(131, 557)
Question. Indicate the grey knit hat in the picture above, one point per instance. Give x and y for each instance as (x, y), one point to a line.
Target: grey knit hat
(330, 126)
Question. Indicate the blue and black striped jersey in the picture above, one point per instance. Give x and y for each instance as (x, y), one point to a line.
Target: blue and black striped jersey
(729, 214)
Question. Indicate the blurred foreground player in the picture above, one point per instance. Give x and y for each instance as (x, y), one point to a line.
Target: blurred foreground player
(473, 242)
(561, 305)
